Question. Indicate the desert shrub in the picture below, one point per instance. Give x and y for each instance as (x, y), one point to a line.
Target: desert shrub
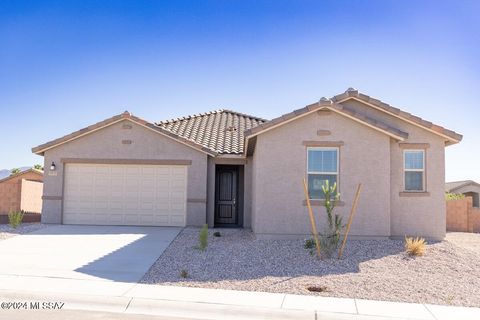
(317, 288)
(15, 218)
(14, 171)
(203, 238)
(453, 196)
(217, 234)
(415, 246)
(330, 237)
(184, 274)
(309, 244)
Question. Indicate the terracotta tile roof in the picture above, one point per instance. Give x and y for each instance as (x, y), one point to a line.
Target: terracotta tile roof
(221, 131)
(352, 93)
(224, 131)
(452, 186)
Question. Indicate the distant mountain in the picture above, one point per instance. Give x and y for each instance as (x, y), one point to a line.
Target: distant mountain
(6, 172)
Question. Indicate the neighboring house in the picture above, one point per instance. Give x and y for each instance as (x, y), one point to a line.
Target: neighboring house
(22, 192)
(7, 172)
(467, 187)
(229, 169)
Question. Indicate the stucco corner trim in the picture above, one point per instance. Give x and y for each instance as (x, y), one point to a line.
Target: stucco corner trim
(170, 162)
(52, 198)
(406, 145)
(414, 194)
(323, 143)
(318, 203)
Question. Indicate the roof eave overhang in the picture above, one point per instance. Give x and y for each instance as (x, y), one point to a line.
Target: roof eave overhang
(471, 183)
(401, 136)
(449, 140)
(40, 150)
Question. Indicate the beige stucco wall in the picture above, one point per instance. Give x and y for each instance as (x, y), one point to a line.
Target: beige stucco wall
(31, 196)
(280, 166)
(107, 144)
(414, 215)
(247, 196)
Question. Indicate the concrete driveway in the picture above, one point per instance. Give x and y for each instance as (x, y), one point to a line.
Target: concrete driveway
(104, 253)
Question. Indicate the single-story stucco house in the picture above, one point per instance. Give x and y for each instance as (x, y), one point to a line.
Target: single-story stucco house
(230, 169)
(21, 192)
(469, 188)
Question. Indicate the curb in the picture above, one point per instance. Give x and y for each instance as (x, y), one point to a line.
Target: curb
(202, 303)
(157, 307)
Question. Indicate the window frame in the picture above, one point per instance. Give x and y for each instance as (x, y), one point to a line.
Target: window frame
(423, 171)
(336, 173)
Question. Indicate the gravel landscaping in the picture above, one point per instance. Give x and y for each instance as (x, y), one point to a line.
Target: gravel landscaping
(469, 241)
(7, 232)
(370, 269)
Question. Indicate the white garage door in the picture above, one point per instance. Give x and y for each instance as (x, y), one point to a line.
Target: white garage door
(106, 194)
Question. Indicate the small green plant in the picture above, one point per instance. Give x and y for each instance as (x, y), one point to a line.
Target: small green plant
(217, 234)
(38, 167)
(454, 196)
(415, 246)
(309, 244)
(15, 218)
(14, 171)
(330, 238)
(449, 300)
(203, 238)
(184, 274)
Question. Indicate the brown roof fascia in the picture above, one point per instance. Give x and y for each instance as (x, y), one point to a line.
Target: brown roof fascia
(123, 116)
(354, 94)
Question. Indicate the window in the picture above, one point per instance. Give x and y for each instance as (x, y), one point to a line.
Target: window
(322, 165)
(414, 167)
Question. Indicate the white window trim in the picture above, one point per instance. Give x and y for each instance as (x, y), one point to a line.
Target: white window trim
(414, 170)
(336, 173)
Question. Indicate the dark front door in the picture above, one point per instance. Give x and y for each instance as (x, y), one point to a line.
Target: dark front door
(226, 196)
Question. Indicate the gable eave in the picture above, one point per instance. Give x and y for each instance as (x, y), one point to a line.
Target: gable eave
(450, 136)
(41, 149)
(322, 104)
(466, 184)
(297, 114)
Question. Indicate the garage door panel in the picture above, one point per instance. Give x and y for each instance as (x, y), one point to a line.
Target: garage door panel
(177, 220)
(161, 219)
(125, 194)
(135, 170)
(116, 218)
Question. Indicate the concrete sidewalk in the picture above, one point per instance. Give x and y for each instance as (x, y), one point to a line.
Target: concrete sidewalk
(197, 303)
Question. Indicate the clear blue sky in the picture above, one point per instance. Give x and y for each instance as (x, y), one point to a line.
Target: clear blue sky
(67, 64)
